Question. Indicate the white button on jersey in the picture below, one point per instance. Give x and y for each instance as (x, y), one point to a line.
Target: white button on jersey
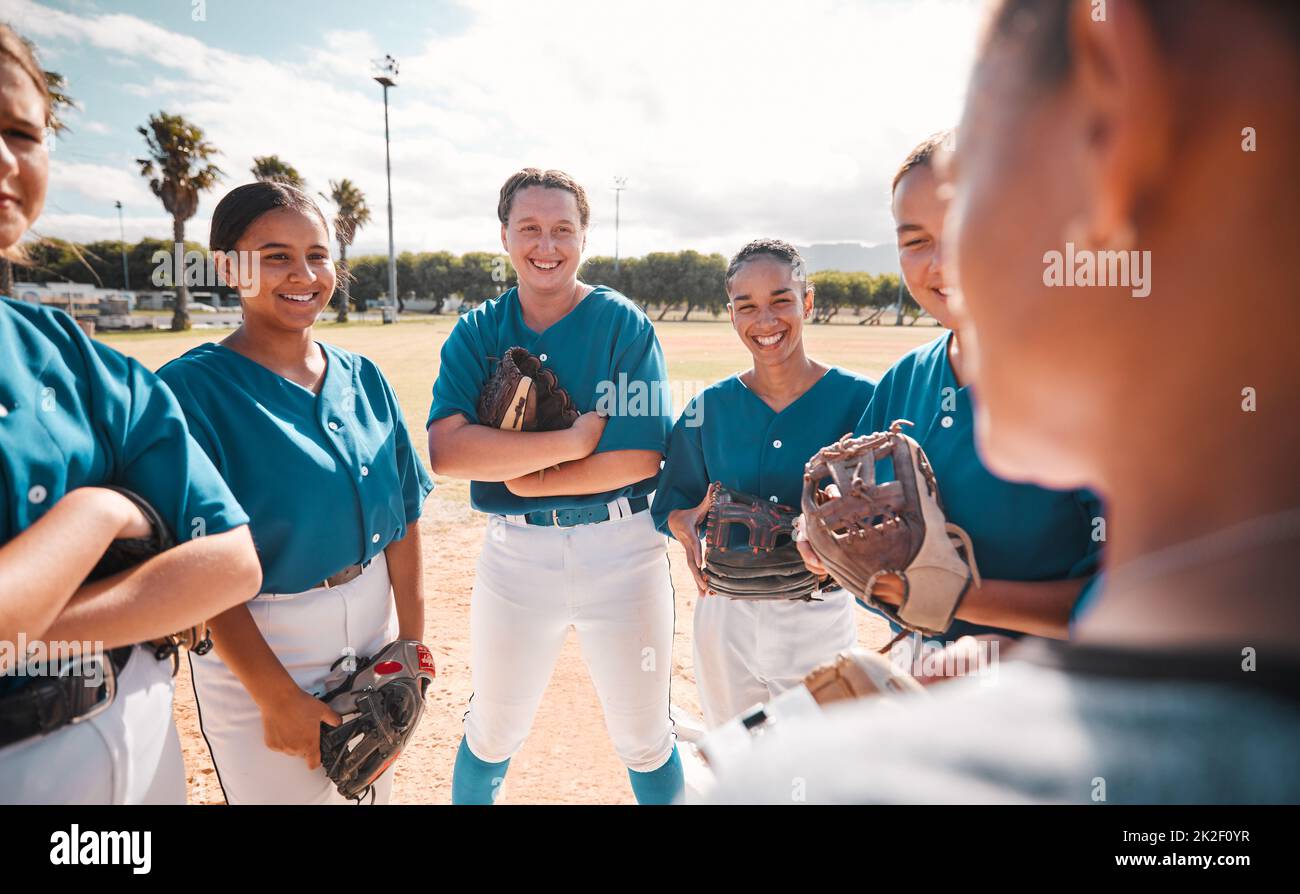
(777, 443)
(36, 494)
(374, 538)
(334, 426)
(542, 357)
(365, 470)
(946, 422)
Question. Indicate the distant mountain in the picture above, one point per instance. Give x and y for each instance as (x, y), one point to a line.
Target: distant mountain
(849, 256)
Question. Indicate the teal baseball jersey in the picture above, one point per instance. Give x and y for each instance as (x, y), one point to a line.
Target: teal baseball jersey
(1019, 531)
(75, 413)
(328, 479)
(731, 436)
(604, 353)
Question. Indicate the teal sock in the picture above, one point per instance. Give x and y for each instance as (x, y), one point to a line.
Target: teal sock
(662, 786)
(475, 781)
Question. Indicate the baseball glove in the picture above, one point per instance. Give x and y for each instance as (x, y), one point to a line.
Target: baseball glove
(381, 703)
(767, 565)
(861, 529)
(856, 673)
(851, 674)
(523, 395)
(129, 552)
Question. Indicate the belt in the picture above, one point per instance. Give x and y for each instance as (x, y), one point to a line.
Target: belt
(352, 572)
(583, 515)
(50, 703)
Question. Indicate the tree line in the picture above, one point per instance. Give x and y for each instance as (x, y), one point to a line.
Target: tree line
(663, 283)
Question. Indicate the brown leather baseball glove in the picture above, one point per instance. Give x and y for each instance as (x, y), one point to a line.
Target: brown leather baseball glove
(523, 395)
(861, 528)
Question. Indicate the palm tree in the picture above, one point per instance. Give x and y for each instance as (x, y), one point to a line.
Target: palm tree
(351, 215)
(57, 85)
(178, 169)
(275, 170)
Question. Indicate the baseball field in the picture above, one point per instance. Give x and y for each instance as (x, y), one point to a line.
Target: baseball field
(568, 759)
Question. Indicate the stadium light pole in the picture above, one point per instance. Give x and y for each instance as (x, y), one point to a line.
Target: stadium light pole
(620, 184)
(388, 78)
(121, 228)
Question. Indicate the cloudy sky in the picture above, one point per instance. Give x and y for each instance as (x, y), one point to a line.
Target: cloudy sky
(730, 118)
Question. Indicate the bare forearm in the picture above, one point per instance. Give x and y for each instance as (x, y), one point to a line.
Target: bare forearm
(171, 591)
(406, 571)
(239, 642)
(42, 567)
(1040, 608)
(594, 474)
(488, 454)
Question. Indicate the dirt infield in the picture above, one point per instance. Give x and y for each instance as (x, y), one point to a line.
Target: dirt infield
(568, 758)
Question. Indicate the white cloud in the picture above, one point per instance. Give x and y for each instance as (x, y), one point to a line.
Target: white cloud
(92, 227)
(731, 120)
(100, 183)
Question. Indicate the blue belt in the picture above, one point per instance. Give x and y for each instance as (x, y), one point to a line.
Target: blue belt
(584, 515)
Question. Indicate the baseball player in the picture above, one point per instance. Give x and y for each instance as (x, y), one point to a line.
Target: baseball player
(1180, 684)
(753, 432)
(312, 441)
(75, 418)
(574, 547)
(1035, 548)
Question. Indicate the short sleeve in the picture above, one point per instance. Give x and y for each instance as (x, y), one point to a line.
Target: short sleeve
(644, 420)
(685, 476)
(415, 481)
(462, 370)
(155, 455)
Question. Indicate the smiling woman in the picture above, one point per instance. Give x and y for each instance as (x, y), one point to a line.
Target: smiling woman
(335, 519)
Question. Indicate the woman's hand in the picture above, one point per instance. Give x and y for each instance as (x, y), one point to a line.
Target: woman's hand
(291, 724)
(685, 525)
(810, 559)
(889, 589)
(586, 432)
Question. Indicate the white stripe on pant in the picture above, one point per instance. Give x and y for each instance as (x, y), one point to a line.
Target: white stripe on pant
(129, 754)
(747, 651)
(308, 632)
(607, 581)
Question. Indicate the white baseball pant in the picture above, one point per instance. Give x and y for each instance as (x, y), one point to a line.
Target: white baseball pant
(308, 632)
(747, 651)
(607, 581)
(127, 754)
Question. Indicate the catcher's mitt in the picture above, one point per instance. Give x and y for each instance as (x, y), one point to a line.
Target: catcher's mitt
(523, 395)
(129, 552)
(861, 529)
(380, 703)
(768, 564)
